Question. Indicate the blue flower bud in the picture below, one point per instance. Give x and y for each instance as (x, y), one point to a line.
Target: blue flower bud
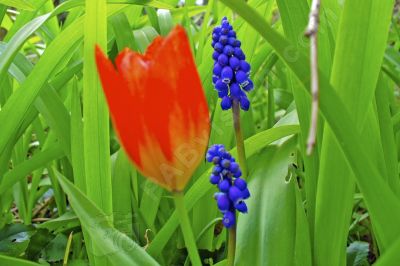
(237, 43)
(232, 33)
(223, 202)
(241, 77)
(217, 30)
(213, 43)
(241, 206)
(245, 67)
(215, 55)
(235, 193)
(231, 41)
(235, 90)
(216, 159)
(225, 24)
(223, 59)
(228, 50)
(220, 86)
(237, 174)
(217, 69)
(221, 150)
(225, 163)
(244, 83)
(215, 37)
(224, 185)
(240, 183)
(227, 74)
(223, 93)
(234, 167)
(237, 52)
(214, 179)
(223, 39)
(217, 170)
(234, 63)
(218, 47)
(229, 219)
(227, 155)
(244, 103)
(215, 79)
(249, 85)
(226, 103)
(209, 157)
(246, 193)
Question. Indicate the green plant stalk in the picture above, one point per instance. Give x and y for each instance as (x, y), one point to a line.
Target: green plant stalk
(96, 138)
(271, 107)
(231, 246)
(243, 166)
(187, 229)
(239, 138)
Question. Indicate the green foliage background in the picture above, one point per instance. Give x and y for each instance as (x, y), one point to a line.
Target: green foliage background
(69, 192)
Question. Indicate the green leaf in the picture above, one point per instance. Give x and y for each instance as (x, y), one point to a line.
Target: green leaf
(357, 254)
(282, 227)
(391, 255)
(14, 239)
(110, 244)
(5, 260)
(65, 222)
(165, 22)
(55, 250)
(39, 240)
(23, 169)
(20, 4)
(352, 79)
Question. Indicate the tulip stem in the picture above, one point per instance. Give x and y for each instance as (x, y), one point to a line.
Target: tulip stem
(187, 229)
(239, 138)
(231, 245)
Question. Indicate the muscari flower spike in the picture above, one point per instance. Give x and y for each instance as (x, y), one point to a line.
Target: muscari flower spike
(232, 189)
(231, 73)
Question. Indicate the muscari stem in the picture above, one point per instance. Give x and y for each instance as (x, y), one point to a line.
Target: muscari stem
(239, 138)
(243, 166)
(231, 246)
(187, 229)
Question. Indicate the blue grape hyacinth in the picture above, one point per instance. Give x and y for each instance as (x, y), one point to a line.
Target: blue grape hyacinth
(231, 73)
(232, 189)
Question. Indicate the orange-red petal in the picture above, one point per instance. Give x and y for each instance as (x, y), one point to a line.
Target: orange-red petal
(121, 104)
(159, 108)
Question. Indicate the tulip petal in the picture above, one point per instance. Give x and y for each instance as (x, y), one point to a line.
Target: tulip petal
(178, 117)
(159, 108)
(120, 102)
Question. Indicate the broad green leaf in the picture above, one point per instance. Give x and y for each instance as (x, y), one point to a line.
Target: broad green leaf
(96, 146)
(111, 245)
(391, 256)
(65, 222)
(352, 79)
(6, 260)
(20, 4)
(294, 19)
(121, 192)
(267, 234)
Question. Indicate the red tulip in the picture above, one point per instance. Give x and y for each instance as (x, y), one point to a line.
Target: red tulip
(158, 108)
